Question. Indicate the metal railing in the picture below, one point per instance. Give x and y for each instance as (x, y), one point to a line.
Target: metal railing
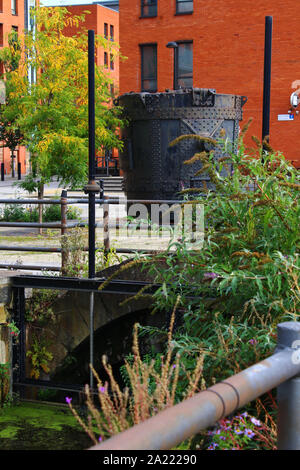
(63, 225)
(182, 421)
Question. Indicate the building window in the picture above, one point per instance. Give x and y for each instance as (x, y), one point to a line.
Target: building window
(112, 64)
(185, 64)
(1, 34)
(148, 67)
(105, 59)
(184, 6)
(14, 7)
(105, 30)
(112, 35)
(112, 90)
(148, 8)
(1, 6)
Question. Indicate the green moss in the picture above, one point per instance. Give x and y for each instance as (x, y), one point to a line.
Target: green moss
(48, 416)
(9, 432)
(40, 426)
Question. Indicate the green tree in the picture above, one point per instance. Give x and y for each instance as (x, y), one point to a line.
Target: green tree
(52, 111)
(10, 133)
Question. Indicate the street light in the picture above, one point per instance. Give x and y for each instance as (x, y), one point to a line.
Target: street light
(174, 45)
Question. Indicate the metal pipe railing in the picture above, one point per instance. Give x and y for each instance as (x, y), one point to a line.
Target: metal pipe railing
(30, 267)
(182, 421)
(64, 224)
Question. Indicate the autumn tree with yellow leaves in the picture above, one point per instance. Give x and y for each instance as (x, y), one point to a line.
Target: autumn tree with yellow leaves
(52, 111)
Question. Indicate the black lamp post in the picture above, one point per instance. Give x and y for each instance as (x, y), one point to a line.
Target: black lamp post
(267, 78)
(174, 45)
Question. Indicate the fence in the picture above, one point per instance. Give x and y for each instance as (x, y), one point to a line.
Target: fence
(174, 425)
(63, 225)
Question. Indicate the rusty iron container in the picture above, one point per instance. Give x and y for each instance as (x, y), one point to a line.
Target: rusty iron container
(151, 168)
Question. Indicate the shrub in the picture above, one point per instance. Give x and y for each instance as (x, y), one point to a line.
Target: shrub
(51, 213)
(245, 279)
(151, 388)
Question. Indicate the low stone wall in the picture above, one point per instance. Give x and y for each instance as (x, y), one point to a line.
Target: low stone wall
(5, 340)
(5, 300)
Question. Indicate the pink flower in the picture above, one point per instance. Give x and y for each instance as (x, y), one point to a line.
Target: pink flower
(68, 400)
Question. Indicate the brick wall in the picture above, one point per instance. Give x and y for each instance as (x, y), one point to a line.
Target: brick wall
(228, 50)
(95, 19)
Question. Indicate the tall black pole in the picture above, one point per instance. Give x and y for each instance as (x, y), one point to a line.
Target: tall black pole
(267, 78)
(92, 188)
(91, 79)
(175, 86)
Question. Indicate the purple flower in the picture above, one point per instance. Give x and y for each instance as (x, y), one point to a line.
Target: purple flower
(252, 341)
(245, 414)
(212, 446)
(256, 422)
(174, 366)
(223, 438)
(210, 275)
(100, 438)
(238, 431)
(249, 433)
(102, 389)
(68, 400)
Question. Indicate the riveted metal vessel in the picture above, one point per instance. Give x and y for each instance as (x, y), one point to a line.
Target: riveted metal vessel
(153, 169)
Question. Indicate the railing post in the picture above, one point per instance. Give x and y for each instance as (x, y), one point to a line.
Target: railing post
(106, 240)
(19, 171)
(63, 212)
(288, 393)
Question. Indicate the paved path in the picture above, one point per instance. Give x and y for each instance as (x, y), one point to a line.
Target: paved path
(29, 236)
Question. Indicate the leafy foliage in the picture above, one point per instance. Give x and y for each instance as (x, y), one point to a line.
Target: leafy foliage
(244, 280)
(10, 133)
(52, 112)
(51, 213)
(39, 357)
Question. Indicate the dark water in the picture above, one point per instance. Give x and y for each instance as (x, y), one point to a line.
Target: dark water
(33, 438)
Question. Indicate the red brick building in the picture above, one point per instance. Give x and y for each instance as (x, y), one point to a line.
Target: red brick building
(12, 16)
(221, 46)
(105, 22)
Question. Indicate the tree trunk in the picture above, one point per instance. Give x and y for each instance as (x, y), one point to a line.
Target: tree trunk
(41, 196)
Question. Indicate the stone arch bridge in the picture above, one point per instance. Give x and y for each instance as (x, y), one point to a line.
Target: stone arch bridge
(112, 322)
